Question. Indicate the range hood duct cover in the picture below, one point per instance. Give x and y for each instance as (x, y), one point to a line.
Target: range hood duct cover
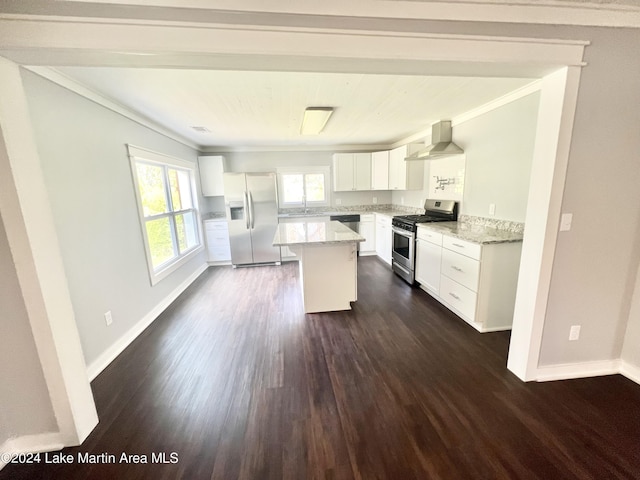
(441, 144)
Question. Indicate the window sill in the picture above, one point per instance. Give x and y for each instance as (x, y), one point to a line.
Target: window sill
(157, 276)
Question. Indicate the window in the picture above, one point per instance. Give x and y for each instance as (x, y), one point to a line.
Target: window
(168, 209)
(303, 186)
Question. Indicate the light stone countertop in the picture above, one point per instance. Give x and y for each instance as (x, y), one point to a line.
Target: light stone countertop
(473, 233)
(389, 213)
(314, 233)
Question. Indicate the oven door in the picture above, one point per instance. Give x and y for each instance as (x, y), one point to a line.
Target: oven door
(404, 244)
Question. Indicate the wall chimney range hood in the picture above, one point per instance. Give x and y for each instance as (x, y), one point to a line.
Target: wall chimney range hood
(441, 144)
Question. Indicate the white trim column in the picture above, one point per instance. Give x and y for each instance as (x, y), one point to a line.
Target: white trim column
(28, 220)
(558, 98)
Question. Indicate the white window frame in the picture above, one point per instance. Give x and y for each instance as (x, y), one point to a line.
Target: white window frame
(324, 170)
(142, 155)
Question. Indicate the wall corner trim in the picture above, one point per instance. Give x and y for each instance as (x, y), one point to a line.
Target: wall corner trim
(632, 372)
(109, 355)
(41, 442)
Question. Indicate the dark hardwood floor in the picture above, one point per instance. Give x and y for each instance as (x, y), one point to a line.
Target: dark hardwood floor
(241, 384)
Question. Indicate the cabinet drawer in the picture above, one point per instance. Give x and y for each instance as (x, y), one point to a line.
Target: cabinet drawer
(459, 297)
(462, 269)
(383, 219)
(216, 225)
(219, 254)
(429, 235)
(469, 249)
(369, 217)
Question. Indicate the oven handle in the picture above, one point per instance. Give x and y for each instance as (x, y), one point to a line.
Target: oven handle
(404, 233)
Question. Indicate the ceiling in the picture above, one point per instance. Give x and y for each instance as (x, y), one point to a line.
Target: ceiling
(251, 109)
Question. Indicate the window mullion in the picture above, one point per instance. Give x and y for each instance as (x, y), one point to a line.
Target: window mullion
(172, 215)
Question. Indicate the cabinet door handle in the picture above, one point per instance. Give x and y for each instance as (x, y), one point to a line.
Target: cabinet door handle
(457, 245)
(457, 269)
(454, 295)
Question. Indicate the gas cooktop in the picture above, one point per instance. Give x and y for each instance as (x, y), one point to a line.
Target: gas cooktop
(435, 211)
(420, 218)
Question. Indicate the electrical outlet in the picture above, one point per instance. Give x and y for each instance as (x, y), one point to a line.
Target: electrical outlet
(574, 332)
(338, 201)
(375, 200)
(401, 200)
(108, 319)
(565, 222)
(492, 209)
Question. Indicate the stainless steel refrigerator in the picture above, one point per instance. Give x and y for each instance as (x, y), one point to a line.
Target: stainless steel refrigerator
(251, 204)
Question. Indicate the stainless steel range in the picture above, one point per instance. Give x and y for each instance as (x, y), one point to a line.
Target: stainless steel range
(404, 234)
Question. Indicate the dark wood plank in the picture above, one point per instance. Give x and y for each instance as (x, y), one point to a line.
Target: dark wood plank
(241, 384)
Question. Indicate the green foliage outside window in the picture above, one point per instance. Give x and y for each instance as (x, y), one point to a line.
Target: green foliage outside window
(172, 234)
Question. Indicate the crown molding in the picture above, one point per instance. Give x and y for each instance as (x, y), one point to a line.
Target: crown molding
(296, 148)
(64, 81)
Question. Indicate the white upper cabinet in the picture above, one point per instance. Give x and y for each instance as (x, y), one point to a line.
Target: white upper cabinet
(211, 170)
(405, 175)
(380, 170)
(351, 171)
(362, 171)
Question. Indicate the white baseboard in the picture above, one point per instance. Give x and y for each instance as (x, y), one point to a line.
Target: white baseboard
(42, 442)
(578, 370)
(503, 328)
(632, 372)
(109, 355)
(218, 264)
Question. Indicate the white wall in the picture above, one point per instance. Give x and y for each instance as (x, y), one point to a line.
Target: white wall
(270, 161)
(596, 262)
(498, 149)
(88, 178)
(24, 397)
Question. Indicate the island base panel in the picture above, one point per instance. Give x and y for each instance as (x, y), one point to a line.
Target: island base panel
(328, 274)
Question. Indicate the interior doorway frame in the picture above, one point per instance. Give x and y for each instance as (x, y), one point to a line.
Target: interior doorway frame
(40, 43)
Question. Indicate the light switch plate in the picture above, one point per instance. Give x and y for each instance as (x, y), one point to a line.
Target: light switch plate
(565, 222)
(338, 201)
(492, 209)
(574, 332)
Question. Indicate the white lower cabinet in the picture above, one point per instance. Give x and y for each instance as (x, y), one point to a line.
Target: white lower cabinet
(217, 237)
(384, 237)
(428, 260)
(461, 299)
(476, 281)
(368, 231)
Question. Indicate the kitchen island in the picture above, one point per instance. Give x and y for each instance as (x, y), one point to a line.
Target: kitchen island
(328, 262)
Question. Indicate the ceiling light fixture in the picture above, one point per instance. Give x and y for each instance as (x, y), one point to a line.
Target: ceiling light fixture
(315, 118)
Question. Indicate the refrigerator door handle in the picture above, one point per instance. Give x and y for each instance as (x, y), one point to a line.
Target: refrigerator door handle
(253, 220)
(245, 199)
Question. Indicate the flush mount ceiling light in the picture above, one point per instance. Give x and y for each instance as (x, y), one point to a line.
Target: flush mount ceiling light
(315, 118)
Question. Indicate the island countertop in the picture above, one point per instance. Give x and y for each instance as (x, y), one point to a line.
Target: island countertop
(314, 233)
